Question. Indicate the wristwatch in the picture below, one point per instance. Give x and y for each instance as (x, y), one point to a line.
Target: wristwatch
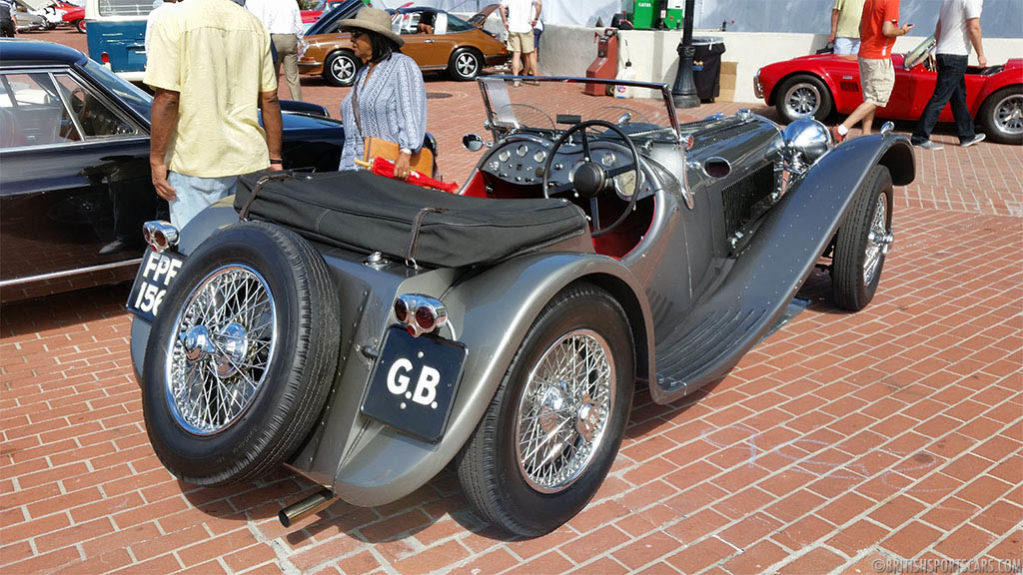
(406, 151)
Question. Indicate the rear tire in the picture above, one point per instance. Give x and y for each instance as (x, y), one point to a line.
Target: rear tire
(340, 68)
(552, 430)
(1002, 115)
(862, 242)
(79, 25)
(803, 96)
(465, 65)
(241, 358)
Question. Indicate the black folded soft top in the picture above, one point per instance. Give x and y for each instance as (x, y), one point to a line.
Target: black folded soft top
(364, 212)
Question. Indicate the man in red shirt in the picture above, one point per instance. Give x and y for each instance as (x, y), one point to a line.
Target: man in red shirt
(878, 30)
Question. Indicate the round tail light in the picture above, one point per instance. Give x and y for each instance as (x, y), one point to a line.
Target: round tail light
(105, 58)
(401, 310)
(426, 318)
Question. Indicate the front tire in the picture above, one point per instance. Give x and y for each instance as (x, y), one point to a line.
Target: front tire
(862, 243)
(79, 25)
(340, 68)
(241, 357)
(555, 424)
(803, 96)
(1002, 115)
(465, 65)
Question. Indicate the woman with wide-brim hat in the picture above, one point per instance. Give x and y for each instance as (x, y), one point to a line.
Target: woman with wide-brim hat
(389, 90)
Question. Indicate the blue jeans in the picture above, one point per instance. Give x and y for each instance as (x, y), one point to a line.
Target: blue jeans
(195, 193)
(847, 46)
(950, 87)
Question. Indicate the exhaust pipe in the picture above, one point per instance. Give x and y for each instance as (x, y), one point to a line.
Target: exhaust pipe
(314, 503)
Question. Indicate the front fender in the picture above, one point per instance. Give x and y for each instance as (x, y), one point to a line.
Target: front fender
(491, 313)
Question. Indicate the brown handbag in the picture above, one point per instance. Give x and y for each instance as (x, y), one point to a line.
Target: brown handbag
(422, 160)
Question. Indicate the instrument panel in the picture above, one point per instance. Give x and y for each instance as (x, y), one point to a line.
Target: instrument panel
(521, 160)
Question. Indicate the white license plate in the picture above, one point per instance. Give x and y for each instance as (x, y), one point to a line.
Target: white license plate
(155, 275)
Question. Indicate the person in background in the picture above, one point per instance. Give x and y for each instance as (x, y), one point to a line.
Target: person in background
(160, 7)
(537, 32)
(205, 131)
(6, 20)
(519, 21)
(284, 21)
(845, 27)
(388, 98)
(878, 30)
(958, 27)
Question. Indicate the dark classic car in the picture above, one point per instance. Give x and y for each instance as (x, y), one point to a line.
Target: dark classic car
(75, 187)
(436, 40)
(373, 332)
(821, 85)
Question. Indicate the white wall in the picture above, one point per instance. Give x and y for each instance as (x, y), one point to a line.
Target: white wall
(569, 50)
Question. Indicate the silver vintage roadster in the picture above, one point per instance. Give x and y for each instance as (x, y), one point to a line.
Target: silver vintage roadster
(366, 333)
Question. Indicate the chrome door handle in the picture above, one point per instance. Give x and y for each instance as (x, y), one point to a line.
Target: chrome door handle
(428, 42)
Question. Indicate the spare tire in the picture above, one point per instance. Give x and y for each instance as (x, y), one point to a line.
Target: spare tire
(241, 358)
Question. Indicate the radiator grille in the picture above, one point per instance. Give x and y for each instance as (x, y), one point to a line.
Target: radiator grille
(740, 200)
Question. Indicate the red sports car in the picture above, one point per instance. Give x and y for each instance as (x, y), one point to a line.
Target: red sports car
(821, 85)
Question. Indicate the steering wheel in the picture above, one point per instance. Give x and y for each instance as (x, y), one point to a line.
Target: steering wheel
(588, 178)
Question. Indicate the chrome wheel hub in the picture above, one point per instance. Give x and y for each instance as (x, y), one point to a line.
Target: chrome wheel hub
(803, 100)
(564, 411)
(466, 65)
(225, 340)
(1009, 114)
(878, 240)
(342, 68)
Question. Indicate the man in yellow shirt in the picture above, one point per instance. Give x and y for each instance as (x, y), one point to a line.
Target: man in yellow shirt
(210, 65)
(845, 27)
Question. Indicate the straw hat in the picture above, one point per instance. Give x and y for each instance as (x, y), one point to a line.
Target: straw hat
(373, 20)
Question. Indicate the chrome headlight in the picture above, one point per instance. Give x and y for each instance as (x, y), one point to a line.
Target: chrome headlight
(806, 140)
(758, 90)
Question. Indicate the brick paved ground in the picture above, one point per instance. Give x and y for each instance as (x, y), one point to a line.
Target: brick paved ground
(840, 441)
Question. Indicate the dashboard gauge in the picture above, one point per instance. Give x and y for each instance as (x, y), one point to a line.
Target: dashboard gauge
(522, 150)
(504, 155)
(625, 184)
(608, 159)
(539, 156)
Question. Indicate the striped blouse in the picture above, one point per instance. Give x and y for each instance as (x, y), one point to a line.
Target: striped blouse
(392, 106)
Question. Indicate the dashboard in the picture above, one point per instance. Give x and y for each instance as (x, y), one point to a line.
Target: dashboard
(520, 160)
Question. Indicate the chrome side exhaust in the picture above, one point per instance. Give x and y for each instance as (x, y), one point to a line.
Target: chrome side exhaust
(314, 503)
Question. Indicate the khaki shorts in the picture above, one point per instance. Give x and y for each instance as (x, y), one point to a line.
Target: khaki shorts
(877, 77)
(520, 42)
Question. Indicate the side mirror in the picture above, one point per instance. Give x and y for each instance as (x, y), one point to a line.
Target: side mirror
(472, 142)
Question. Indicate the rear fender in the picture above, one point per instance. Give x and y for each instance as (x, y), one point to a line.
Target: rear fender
(491, 313)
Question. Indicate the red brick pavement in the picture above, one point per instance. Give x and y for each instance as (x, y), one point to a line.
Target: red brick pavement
(839, 443)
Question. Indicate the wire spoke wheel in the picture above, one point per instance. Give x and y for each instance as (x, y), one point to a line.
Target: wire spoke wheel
(564, 411)
(224, 341)
(877, 240)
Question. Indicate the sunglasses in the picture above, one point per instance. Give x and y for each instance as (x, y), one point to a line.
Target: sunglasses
(357, 33)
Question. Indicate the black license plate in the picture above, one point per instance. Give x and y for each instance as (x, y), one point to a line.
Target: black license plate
(155, 275)
(414, 383)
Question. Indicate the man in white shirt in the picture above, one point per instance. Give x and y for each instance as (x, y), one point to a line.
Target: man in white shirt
(958, 27)
(283, 20)
(158, 11)
(519, 21)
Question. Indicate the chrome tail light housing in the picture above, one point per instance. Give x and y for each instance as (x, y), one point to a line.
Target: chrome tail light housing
(420, 314)
(160, 235)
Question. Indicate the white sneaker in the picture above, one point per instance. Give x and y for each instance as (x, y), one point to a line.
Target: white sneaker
(974, 140)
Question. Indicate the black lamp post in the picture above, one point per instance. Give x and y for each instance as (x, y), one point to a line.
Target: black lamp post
(683, 92)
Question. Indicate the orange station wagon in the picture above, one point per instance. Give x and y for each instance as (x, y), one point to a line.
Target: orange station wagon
(436, 40)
